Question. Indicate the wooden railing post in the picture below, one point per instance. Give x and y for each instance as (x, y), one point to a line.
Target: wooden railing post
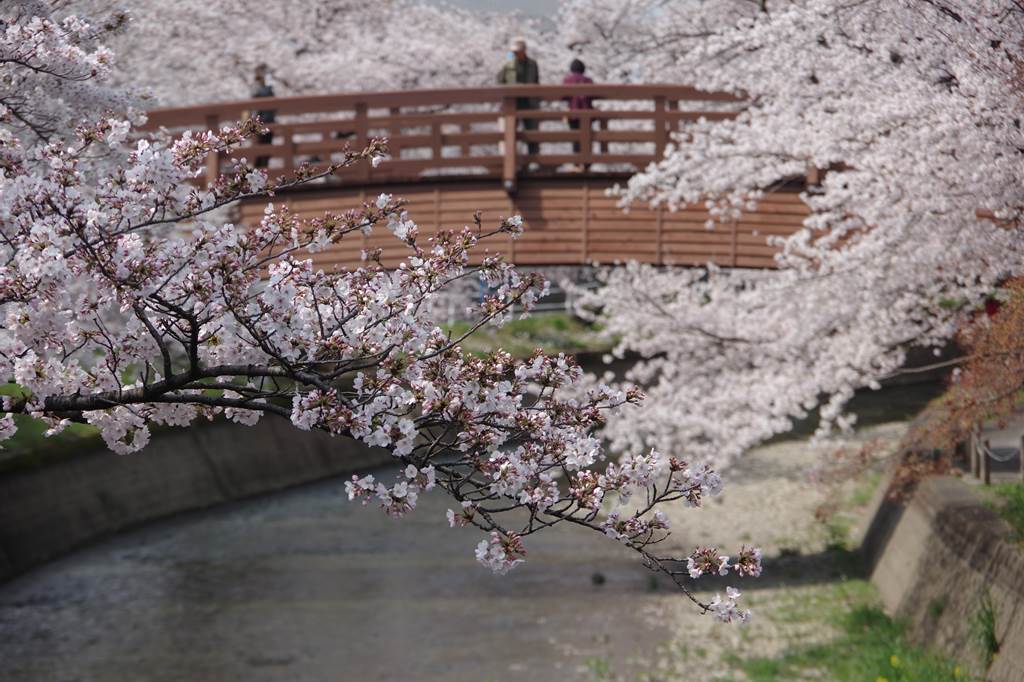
(437, 209)
(287, 148)
(436, 142)
(586, 138)
(464, 147)
(213, 159)
(986, 469)
(660, 236)
(361, 128)
(660, 127)
(602, 125)
(395, 135)
(733, 245)
(509, 163)
(360, 125)
(972, 451)
(585, 226)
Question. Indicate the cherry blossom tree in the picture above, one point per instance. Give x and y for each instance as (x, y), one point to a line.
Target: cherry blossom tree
(640, 41)
(52, 71)
(125, 304)
(988, 383)
(312, 47)
(911, 109)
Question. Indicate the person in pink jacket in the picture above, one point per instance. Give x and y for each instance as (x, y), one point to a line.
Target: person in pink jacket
(577, 102)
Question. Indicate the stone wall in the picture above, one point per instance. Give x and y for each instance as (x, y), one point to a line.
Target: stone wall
(936, 559)
(52, 510)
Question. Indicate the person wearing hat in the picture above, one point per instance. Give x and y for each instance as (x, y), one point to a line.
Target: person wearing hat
(521, 69)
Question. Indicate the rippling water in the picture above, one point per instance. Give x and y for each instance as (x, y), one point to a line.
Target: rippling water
(303, 585)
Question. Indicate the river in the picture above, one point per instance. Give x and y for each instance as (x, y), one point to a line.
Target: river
(303, 585)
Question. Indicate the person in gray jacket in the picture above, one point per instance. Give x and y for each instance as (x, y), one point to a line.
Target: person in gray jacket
(522, 69)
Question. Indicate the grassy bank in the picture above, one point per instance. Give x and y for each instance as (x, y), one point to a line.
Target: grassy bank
(29, 448)
(1008, 500)
(867, 645)
(553, 332)
(833, 631)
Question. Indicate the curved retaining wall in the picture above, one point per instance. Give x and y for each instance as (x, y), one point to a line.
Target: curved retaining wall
(936, 558)
(52, 510)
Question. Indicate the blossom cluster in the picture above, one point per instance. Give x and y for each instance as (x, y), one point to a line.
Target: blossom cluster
(500, 553)
(401, 497)
(707, 561)
(726, 610)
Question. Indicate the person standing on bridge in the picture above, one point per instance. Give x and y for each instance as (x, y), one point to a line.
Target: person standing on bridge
(261, 88)
(577, 102)
(521, 69)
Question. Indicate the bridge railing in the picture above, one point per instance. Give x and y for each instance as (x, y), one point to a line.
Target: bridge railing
(468, 131)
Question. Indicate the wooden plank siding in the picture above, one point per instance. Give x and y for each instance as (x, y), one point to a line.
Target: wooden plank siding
(569, 220)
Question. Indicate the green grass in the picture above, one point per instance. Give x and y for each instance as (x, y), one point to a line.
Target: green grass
(599, 668)
(1008, 501)
(838, 528)
(552, 332)
(866, 488)
(825, 604)
(936, 607)
(29, 448)
(839, 523)
(952, 303)
(983, 629)
(869, 645)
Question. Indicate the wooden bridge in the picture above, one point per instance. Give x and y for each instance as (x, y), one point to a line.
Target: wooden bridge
(457, 151)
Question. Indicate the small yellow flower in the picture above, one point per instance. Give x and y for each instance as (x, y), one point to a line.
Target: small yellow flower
(894, 661)
(956, 671)
(881, 679)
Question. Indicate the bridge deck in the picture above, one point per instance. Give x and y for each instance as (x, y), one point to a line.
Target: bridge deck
(457, 151)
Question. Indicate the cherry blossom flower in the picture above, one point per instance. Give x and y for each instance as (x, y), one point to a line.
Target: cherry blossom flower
(707, 561)
(500, 553)
(726, 610)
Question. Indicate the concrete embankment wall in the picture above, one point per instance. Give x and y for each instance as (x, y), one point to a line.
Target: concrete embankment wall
(937, 559)
(47, 512)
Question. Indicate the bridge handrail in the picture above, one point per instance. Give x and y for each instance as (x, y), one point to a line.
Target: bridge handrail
(322, 125)
(299, 104)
